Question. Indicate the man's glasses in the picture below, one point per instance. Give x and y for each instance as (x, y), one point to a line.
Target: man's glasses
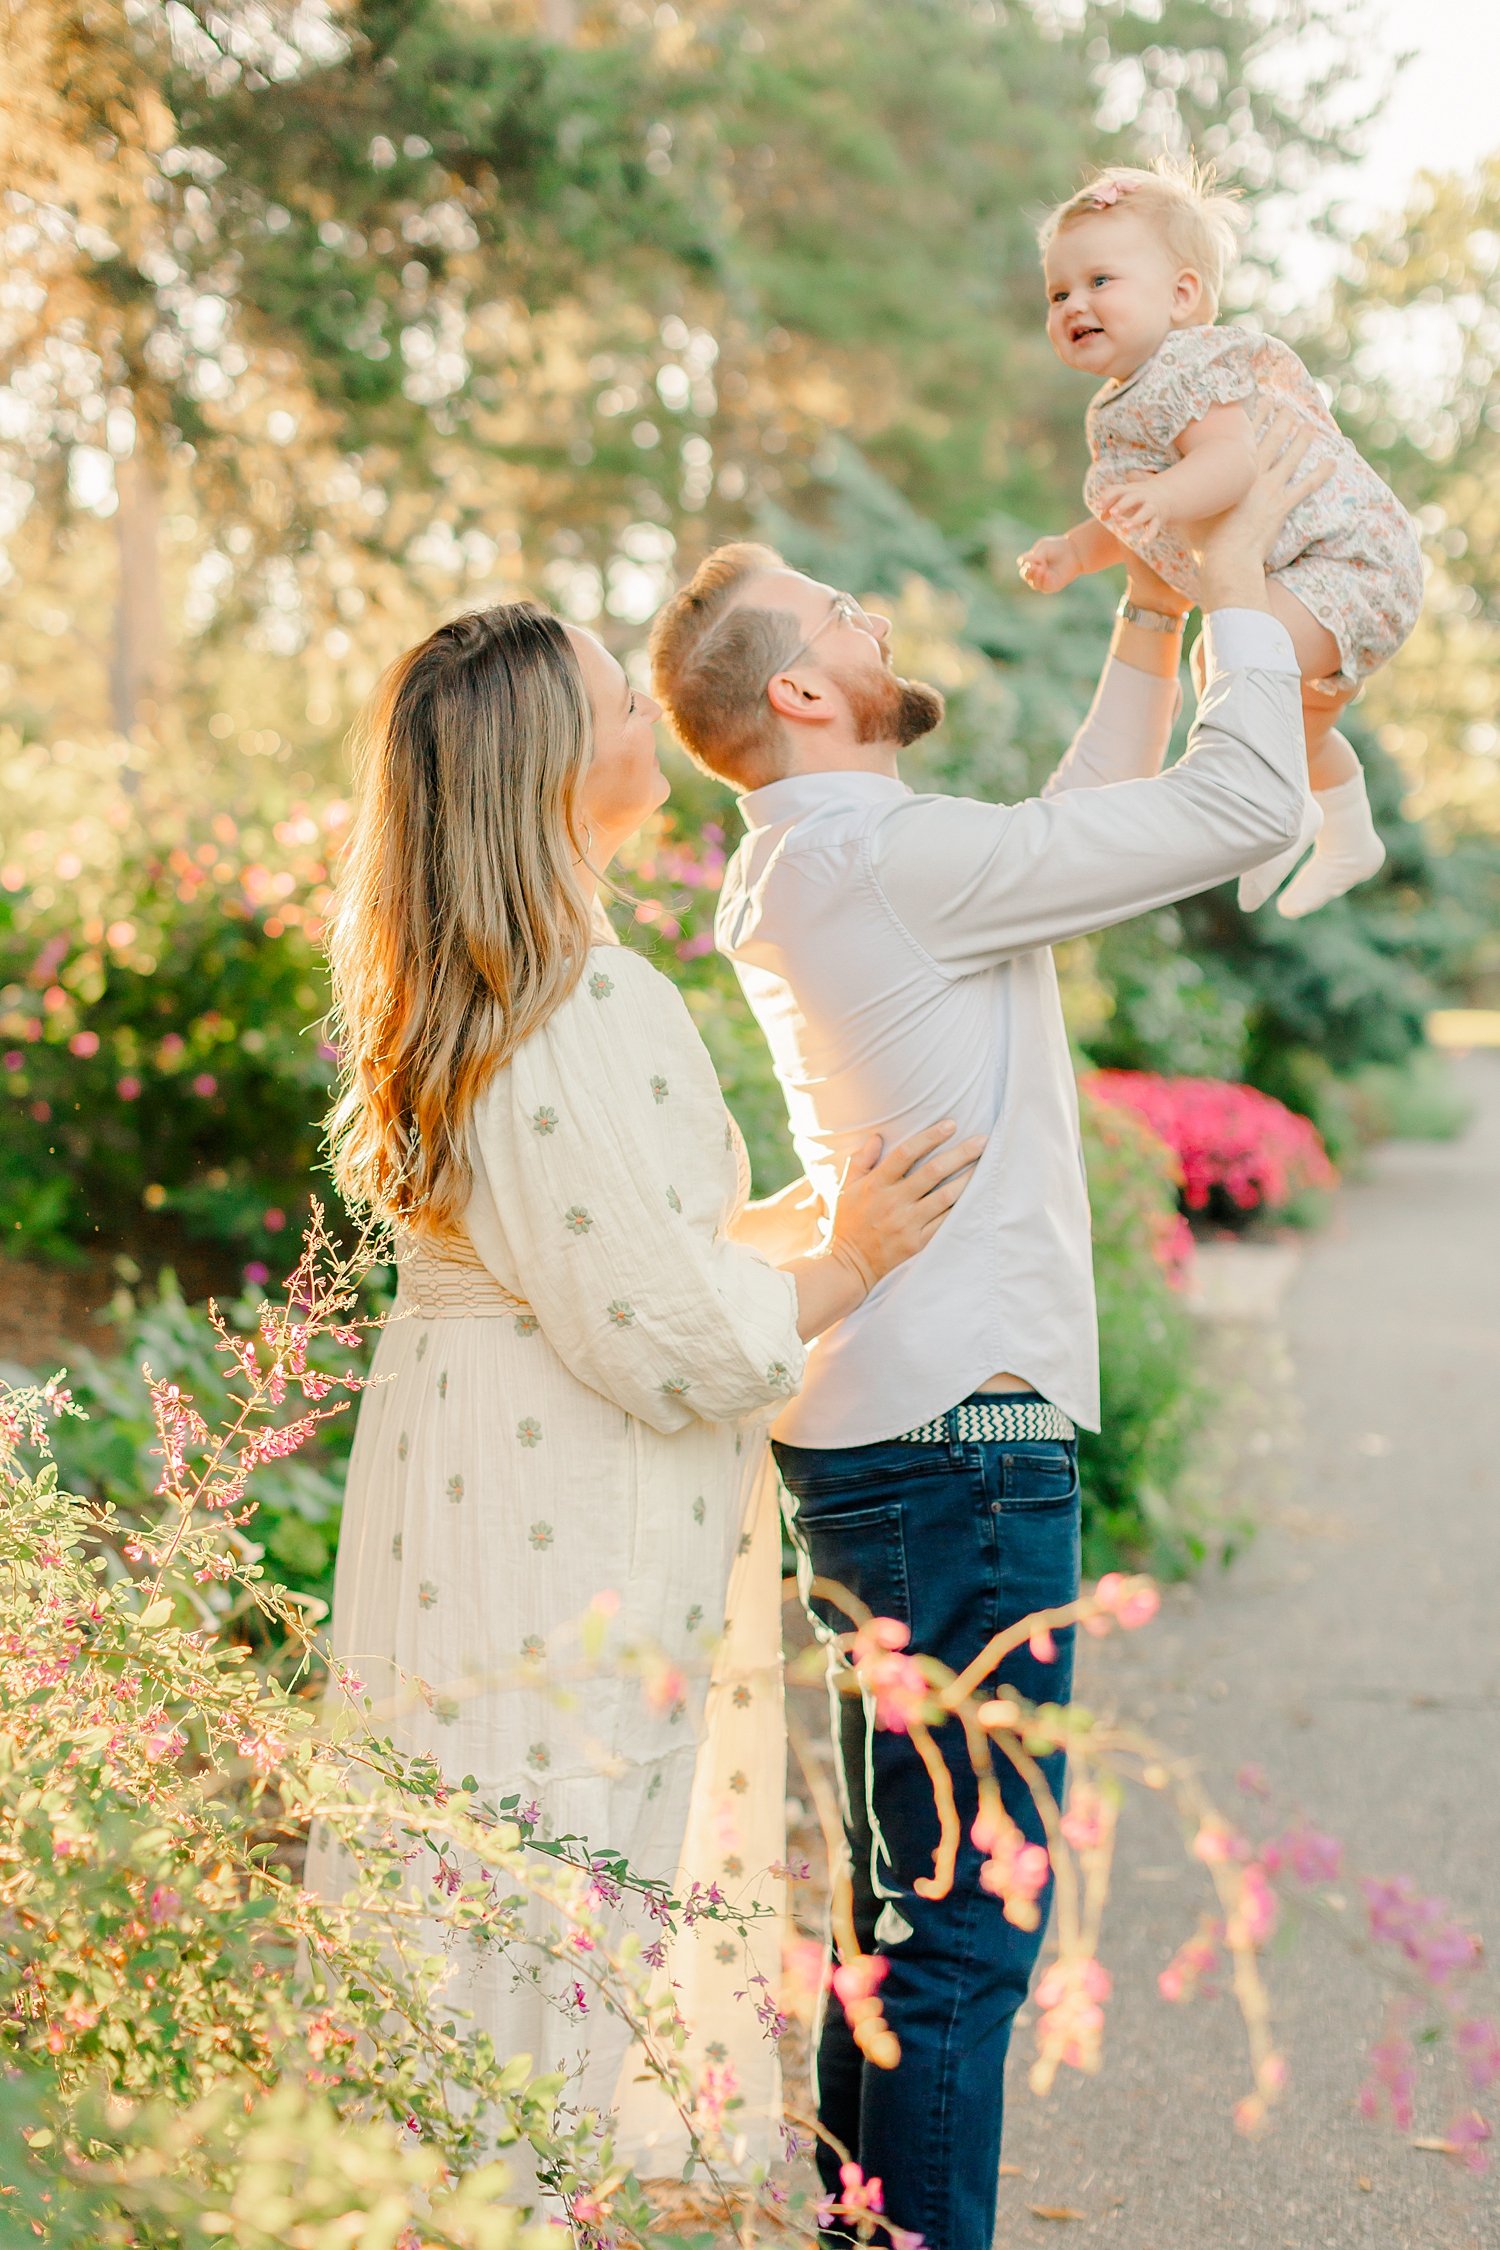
(843, 607)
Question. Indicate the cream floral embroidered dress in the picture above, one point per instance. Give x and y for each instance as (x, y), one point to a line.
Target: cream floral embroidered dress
(1349, 552)
(576, 1407)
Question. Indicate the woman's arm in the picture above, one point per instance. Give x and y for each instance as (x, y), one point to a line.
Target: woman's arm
(889, 1207)
(1217, 469)
(783, 1226)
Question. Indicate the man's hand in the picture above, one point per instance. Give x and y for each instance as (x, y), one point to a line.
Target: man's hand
(1232, 548)
(1050, 565)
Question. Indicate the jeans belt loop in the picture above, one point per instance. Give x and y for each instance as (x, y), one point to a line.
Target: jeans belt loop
(955, 1441)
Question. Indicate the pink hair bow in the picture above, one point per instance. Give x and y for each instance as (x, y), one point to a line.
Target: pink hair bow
(1109, 192)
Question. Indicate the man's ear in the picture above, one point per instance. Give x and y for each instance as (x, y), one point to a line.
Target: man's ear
(797, 698)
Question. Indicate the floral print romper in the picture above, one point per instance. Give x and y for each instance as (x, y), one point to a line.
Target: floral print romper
(1349, 552)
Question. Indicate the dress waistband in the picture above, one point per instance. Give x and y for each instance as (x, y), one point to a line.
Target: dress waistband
(453, 1283)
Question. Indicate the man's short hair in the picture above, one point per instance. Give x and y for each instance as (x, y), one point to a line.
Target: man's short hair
(712, 659)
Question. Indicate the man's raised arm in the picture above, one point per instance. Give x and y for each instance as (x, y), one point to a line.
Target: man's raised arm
(1129, 724)
(976, 883)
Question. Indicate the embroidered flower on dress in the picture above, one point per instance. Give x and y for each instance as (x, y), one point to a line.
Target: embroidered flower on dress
(744, 1546)
(694, 1617)
(779, 1375)
(401, 1446)
(422, 1343)
(724, 1950)
(539, 1757)
(455, 1488)
(541, 1536)
(621, 1314)
(741, 1697)
(674, 1199)
(533, 1649)
(445, 1709)
(396, 1547)
(660, 1089)
(653, 1787)
(527, 1324)
(544, 1120)
(738, 1784)
(529, 1430)
(676, 1386)
(734, 1866)
(443, 1384)
(577, 1219)
(700, 1509)
(427, 1594)
(600, 985)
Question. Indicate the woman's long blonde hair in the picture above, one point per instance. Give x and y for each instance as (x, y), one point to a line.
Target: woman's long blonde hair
(458, 926)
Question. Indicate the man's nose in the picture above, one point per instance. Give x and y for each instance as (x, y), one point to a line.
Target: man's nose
(879, 626)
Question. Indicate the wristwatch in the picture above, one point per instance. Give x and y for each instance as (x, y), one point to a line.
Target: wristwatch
(1151, 620)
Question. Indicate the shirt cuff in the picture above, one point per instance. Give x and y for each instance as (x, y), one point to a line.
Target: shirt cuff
(1246, 640)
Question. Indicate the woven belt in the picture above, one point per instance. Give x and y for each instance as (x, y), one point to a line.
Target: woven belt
(987, 1421)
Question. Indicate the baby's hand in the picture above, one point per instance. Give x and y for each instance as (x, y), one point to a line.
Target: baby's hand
(1049, 566)
(1133, 511)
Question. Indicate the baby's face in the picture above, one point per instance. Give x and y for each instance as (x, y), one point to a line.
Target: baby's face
(1114, 293)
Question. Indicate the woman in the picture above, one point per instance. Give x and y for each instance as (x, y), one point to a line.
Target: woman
(573, 1395)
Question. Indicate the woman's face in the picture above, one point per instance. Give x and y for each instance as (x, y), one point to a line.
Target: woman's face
(624, 784)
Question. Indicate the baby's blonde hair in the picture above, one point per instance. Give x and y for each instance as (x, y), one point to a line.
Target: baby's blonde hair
(1199, 222)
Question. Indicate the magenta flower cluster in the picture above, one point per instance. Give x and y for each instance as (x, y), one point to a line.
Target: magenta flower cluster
(1233, 1139)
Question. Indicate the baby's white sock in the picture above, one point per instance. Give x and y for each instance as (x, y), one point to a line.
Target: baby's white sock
(1257, 886)
(1347, 852)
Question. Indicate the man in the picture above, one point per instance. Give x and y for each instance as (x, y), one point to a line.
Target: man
(896, 952)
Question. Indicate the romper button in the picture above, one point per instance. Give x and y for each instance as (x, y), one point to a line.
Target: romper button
(994, 1507)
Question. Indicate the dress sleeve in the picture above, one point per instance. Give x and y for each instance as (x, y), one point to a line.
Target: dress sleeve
(603, 1176)
(1208, 367)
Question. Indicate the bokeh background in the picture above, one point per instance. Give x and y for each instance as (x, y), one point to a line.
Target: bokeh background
(319, 322)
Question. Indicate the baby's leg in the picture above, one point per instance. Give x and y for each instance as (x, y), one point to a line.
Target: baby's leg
(1346, 849)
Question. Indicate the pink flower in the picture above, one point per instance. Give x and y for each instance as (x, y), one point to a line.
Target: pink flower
(1466, 2137)
(1043, 1647)
(1256, 1912)
(859, 1979)
(1478, 2044)
(84, 1044)
(1071, 1998)
(1130, 1601)
(896, 1682)
(1311, 1857)
(257, 1275)
(1253, 1150)
(128, 1088)
(273, 1220)
(1015, 1872)
(1086, 1823)
(162, 1904)
(1186, 1973)
(15, 1059)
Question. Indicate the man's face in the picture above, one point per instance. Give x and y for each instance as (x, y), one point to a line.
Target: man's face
(846, 654)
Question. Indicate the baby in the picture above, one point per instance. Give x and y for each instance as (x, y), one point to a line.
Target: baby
(1134, 264)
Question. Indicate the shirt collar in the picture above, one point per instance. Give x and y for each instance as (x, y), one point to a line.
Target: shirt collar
(809, 792)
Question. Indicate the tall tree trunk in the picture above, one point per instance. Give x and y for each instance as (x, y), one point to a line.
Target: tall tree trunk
(140, 618)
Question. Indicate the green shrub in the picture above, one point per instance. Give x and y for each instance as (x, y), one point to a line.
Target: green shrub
(1151, 1397)
(161, 989)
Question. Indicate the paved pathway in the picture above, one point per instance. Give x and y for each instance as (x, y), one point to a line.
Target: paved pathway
(1354, 1654)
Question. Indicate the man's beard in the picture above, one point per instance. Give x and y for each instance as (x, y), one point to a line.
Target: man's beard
(890, 709)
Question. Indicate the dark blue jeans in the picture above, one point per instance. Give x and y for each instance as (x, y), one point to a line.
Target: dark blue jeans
(958, 1541)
